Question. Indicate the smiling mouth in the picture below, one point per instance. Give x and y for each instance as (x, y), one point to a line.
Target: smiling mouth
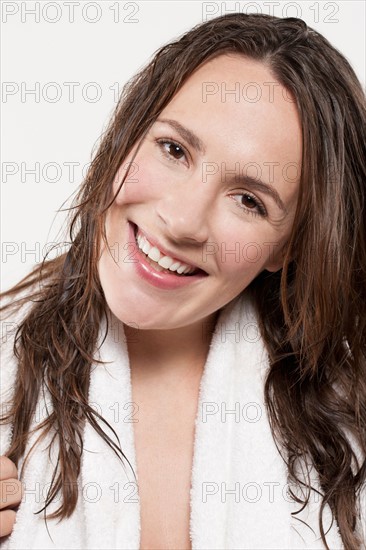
(161, 262)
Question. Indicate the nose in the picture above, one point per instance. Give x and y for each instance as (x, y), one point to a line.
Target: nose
(185, 212)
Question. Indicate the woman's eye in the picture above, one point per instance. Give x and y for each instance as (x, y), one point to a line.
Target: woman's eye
(172, 150)
(251, 205)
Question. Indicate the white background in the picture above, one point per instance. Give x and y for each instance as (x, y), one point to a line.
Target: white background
(104, 43)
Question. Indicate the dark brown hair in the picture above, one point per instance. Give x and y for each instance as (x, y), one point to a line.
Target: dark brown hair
(311, 312)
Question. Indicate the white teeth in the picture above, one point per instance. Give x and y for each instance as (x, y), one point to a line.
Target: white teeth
(154, 254)
(165, 262)
(175, 266)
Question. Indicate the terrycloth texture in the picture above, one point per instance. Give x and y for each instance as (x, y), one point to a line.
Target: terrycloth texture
(238, 492)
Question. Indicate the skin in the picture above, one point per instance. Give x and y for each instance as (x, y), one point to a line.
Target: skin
(11, 494)
(173, 197)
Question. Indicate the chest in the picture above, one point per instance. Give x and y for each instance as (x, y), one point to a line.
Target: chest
(164, 444)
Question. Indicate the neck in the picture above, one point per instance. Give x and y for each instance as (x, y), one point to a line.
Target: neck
(177, 351)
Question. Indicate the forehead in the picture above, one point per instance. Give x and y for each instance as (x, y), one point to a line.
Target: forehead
(241, 112)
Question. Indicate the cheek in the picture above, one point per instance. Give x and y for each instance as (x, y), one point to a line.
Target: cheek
(240, 259)
(143, 183)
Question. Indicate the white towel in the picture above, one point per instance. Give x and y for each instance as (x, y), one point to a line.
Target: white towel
(239, 480)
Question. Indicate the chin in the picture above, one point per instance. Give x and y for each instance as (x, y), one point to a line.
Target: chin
(136, 318)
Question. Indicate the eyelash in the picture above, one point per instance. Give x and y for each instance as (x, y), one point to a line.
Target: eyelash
(261, 209)
(162, 142)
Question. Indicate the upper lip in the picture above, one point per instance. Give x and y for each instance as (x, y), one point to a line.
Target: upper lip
(164, 250)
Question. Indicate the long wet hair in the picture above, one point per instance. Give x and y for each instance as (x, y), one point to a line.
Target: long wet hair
(311, 312)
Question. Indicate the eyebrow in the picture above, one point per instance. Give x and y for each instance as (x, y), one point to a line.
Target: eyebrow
(258, 184)
(254, 183)
(191, 138)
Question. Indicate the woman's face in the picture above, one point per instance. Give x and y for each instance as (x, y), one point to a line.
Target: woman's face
(214, 183)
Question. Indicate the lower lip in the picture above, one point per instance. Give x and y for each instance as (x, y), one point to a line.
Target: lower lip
(159, 279)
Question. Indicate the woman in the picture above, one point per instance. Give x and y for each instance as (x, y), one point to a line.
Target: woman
(217, 263)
